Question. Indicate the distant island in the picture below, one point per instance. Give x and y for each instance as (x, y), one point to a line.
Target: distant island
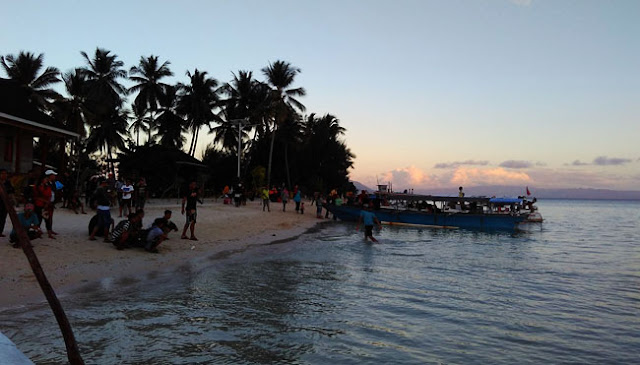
(540, 193)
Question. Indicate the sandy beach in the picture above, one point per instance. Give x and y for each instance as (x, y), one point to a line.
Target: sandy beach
(72, 260)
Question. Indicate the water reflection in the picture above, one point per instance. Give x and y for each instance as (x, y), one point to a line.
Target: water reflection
(420, 296)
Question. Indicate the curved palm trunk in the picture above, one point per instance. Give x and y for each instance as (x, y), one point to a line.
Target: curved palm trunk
(73, 353)
(273, 138)
(152, 123)
(194, 142)
(111, 164)
(193, 138)
(286, 164)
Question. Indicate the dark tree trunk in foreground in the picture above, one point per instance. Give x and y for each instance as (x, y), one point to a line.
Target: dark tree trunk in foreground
(73, 354)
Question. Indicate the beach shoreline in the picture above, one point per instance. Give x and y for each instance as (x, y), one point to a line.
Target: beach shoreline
(72, 261)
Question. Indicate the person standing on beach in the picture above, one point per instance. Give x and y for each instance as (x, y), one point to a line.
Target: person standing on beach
(142, 194)
(10, 191)
(265, 199)
(297, 198)
(367, 216)
(285, 198)
(117, 186)
(319, 203)
(127, 195)
(190, 197)
(44, 197)
(102, 200)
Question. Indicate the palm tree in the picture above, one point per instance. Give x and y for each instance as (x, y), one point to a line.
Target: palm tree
(197, 101)
(280, 76)
(291, 131)
(25, 69)
(104, 99)
(326, 158)
(248, 99)
(170, 125)
(72, 110)
(104, 91)
(326, 128)
(140, 122)
(147, 76)
(109, 135)
(226, 134)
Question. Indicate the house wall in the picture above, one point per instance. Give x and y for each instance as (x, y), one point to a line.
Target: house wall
(15, 145)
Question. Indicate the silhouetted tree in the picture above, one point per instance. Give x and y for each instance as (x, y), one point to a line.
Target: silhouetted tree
(140, 122)
(197, 101)
(170, 124)
(280, 76)
(147, 76)
(104, 98)
(25, 69)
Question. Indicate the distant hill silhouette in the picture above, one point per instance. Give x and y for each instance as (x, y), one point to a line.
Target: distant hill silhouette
(541, 193)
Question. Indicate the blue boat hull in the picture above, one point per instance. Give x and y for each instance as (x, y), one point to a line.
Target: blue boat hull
(485, 222)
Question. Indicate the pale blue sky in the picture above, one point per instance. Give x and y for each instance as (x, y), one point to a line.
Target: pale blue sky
(432, 93)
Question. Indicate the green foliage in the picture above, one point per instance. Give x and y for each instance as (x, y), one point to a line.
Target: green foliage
(279, 144)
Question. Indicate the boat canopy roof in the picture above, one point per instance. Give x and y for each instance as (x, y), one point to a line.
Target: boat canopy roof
(505, 200)
(441, 198)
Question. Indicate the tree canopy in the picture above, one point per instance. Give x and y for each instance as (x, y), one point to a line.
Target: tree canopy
(279, 143)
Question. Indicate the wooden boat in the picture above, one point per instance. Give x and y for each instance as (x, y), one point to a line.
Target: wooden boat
(479, 213)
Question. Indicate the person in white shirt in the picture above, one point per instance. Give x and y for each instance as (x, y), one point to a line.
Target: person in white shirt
(127, 194)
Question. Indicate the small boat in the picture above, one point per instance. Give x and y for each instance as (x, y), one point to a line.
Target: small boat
(479, 213)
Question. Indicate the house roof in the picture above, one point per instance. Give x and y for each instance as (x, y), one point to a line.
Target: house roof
(17, 110)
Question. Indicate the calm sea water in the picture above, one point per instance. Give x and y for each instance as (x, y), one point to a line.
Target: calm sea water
(566, 293)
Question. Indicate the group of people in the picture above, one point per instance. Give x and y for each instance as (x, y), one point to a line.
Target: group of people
(128, 194)
(39, 195)
(129, 232)
(282, 195)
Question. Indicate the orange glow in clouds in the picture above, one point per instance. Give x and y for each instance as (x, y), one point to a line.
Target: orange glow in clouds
(490, 176)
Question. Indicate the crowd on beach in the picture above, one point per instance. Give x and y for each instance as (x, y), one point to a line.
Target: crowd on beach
(282, 196)
(39, 194)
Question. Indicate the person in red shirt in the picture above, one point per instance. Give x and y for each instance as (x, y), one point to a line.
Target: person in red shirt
(43, 195)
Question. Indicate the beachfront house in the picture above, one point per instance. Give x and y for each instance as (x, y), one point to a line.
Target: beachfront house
(20, 124)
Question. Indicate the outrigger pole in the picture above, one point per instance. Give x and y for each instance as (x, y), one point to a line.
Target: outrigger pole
(73, 354)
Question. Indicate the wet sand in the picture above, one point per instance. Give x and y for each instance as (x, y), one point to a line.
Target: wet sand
(72, 260)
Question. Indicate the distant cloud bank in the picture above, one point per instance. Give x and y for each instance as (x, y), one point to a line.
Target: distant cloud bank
(513, 164)
(603, 161)
(449, 165)
(579, 163)
(450, 175)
